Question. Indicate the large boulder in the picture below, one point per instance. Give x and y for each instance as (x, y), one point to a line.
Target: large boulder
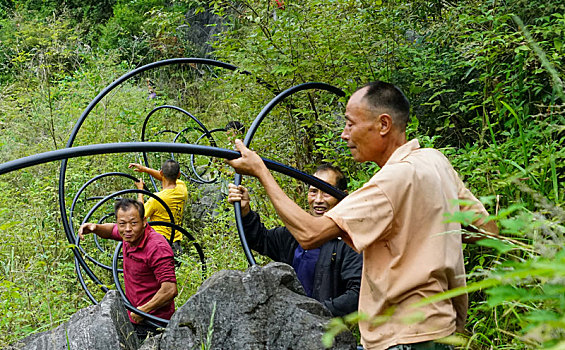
(261, 308)
(97, 327)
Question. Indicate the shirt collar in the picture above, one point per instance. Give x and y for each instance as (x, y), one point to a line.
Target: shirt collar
(403, 151)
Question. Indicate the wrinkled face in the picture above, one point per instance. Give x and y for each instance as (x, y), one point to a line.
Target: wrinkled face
(319, 201)
(130, 225)
(362, 127)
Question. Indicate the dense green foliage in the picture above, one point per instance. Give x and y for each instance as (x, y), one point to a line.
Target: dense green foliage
(484, 78)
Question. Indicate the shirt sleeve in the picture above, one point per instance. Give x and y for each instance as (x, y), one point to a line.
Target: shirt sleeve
(161, 261)
(350, 276)
(115, 234)
(365, 216)
(471, 203)
(278, 243)
(149, 207)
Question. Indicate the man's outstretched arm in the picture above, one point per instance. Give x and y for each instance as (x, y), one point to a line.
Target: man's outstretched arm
(310, 232)
(143, 169)
(101, 230)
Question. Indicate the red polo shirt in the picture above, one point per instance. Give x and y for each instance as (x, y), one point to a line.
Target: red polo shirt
(146, 266)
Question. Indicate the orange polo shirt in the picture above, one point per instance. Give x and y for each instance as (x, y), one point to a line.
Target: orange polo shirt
(410, 252)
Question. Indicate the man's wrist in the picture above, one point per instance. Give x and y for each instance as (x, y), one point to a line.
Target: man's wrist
(249, 217)
(144, 308)
(246, 211)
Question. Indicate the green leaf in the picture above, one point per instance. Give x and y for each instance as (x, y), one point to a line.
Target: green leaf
(558, 44)
(500, 246)
(539, 316)
(498, 295)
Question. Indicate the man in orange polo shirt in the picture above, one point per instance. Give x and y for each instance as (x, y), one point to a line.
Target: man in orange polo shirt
(397, 219)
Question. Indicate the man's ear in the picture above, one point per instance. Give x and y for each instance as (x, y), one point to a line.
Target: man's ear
(178, 175)
(386, 124)
(144, 222)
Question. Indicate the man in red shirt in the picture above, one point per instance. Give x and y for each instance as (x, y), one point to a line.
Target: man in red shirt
(149, 271)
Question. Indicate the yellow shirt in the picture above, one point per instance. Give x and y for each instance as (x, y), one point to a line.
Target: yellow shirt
(397, 219)
(175, 198)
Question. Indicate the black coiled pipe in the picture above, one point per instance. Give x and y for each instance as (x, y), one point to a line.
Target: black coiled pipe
(247, 141)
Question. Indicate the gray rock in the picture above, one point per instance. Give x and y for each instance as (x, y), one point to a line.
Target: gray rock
(103, 326)
(203, 26)
(205, 207)
(151, 343)
(261, 308)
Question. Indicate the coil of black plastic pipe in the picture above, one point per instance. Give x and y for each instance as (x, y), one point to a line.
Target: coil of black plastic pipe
(126, 147)
(247, 141)
(71, 152)
(144, 127)
(98, 98)
(62, 205)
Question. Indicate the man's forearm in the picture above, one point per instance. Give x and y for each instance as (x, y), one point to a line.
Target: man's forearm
(163, 297)
(155, 173)
(309, 231)
(486, 230)
(104, 230)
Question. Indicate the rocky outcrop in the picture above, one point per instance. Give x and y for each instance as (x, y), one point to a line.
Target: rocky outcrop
(200, 33)
(261, 308)
(102, 326)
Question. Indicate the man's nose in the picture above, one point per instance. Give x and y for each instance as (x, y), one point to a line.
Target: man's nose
(345, 134)
(319, 197)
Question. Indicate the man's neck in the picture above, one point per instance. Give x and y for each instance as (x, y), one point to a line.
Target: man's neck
(167, 184)
(398, 141)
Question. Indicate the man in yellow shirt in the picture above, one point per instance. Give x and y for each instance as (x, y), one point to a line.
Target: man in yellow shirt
(174, 194)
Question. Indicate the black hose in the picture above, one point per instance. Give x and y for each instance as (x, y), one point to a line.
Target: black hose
(144, 127)
(126, 147)
(86, 112)
(71, 152)
(247, 141)
(152, 320)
